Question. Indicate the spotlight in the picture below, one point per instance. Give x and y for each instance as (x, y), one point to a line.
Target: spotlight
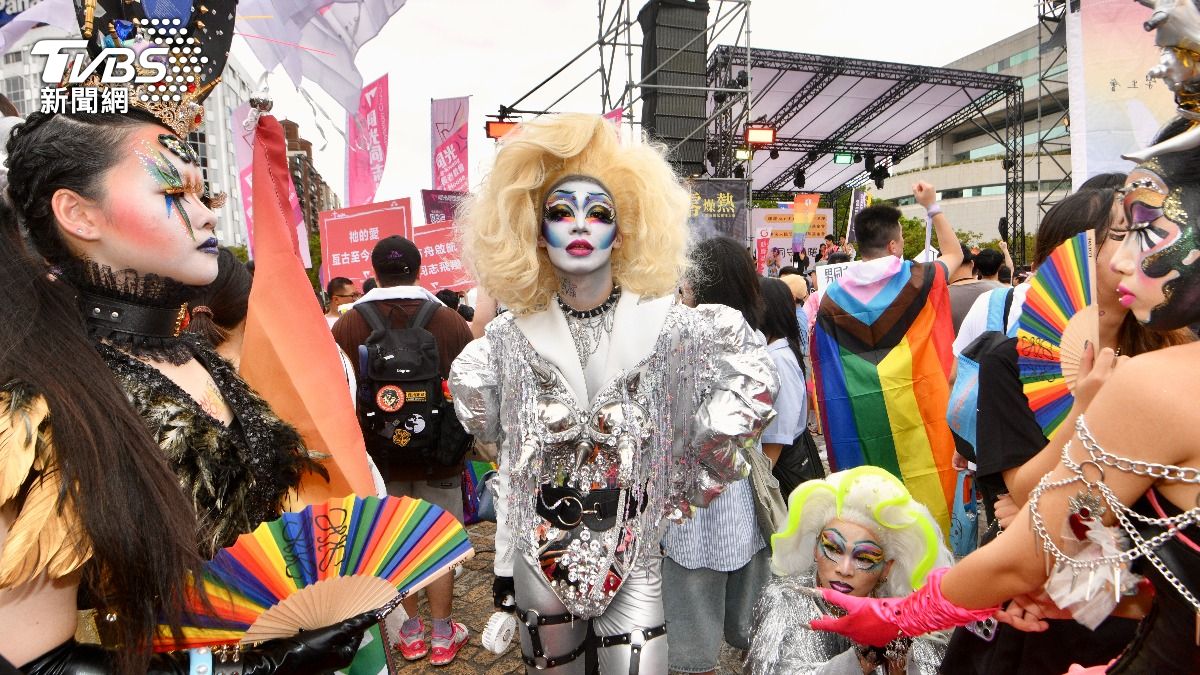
(857, 158)
(759, 134)
(812, 155)
(879, 183)
(742, 154)
(774, 153)
(713, 156)
(719, 97)
(496, 129)
(739, 171)
(870, 163)
(1007, 164)
(799, 179)
(743, 79)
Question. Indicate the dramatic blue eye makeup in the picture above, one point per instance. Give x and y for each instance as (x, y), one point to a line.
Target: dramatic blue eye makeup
(866, 555)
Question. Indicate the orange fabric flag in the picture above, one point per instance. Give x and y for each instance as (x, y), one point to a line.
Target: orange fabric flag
(289, 355)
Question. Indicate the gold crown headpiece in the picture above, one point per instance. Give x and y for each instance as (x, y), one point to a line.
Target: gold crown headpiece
(197, 37)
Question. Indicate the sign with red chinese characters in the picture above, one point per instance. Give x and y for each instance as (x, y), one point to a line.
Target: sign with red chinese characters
(349, 235)
(441, 266)
(449, 142)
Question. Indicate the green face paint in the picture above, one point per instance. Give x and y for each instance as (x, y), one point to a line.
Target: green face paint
(174, 186)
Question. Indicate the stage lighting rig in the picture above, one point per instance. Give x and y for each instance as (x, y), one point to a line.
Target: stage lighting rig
(759, 134)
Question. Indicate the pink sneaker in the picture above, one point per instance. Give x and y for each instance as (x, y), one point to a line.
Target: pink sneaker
(412, 646)
(446, 648)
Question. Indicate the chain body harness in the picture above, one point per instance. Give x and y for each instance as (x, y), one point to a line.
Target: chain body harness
(1142, 547)
(587, 327)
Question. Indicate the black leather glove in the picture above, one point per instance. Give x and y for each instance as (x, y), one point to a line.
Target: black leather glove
(504, 594)
(309, 653)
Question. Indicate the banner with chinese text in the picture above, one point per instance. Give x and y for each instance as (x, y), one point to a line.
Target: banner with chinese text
(441, 265)
(858, 202)
(366, 148)
(440, 205)
(719, 209)
(448, 126)
(777, 225)
(349, 235)
(1116, 107)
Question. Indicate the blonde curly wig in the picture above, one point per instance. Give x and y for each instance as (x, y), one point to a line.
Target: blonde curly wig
(498, 227)
(872, 498)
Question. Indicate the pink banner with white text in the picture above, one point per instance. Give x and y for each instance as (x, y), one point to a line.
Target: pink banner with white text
(448, 140)
(367, 147)
(349, 235)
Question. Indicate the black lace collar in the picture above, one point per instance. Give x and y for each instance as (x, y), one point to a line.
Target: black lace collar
(143, 314)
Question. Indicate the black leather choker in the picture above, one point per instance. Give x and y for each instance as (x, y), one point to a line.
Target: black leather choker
(115, 316)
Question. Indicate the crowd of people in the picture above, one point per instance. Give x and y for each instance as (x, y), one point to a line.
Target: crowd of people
(653, 406)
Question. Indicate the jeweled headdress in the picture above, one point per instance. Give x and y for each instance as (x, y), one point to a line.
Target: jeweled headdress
(197, 36)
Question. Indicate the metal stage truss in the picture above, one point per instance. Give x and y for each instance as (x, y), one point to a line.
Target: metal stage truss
(1053, 109)
(822, 105)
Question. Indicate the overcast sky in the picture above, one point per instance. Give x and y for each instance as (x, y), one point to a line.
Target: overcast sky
(497, 51)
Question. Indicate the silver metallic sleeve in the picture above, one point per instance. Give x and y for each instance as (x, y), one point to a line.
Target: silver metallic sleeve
(476, 397)
(739, 404)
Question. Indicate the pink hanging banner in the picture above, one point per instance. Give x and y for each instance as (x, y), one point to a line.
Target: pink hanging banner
(448, 139)
(349, 235)
(366, 152)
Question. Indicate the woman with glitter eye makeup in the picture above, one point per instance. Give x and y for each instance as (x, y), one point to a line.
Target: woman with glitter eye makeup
(858, 532)
(615, 408)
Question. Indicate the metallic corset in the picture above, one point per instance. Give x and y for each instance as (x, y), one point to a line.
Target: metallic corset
(671, 431)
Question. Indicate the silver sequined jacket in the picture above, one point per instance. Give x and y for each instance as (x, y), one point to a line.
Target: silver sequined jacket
(781, 645)
(686, 392)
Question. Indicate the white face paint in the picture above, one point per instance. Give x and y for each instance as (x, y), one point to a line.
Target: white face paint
(579, 226)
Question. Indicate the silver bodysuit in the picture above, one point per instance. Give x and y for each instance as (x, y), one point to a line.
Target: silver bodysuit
(665, 434)
(782, 645)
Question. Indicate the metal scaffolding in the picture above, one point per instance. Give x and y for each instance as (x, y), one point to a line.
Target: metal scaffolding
(1052, 103)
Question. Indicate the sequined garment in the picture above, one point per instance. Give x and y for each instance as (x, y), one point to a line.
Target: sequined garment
(780, 645)
(670, 432)
(237, 476)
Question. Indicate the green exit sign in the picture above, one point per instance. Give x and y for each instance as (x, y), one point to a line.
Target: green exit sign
(843, 158)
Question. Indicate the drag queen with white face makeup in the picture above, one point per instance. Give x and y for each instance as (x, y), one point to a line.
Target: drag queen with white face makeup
(614, 407)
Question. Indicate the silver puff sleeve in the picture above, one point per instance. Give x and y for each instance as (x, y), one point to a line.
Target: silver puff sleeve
(780, 643)
(476, 397)
(738, 405)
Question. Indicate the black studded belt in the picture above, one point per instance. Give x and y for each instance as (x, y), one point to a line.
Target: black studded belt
(566, 508)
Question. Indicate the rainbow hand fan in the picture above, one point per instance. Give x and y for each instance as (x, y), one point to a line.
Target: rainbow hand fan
(1057, 319)
(320, 566)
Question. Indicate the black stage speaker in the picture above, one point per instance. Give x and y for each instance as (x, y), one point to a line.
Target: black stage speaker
(671, 115)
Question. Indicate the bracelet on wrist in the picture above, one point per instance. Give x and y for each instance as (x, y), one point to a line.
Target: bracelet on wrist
(933, 210)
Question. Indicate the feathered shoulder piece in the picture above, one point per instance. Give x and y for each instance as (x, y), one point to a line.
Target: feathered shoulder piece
(44, 537)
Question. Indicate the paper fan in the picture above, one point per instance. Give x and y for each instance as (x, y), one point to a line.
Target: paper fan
(319, 566)
(1055, 323)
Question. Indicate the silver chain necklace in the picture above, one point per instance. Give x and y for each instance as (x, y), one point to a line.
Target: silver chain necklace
(1143, 547)
(588, 327)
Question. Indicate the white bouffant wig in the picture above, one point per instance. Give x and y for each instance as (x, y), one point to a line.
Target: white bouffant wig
(870, 497)
(499, 225)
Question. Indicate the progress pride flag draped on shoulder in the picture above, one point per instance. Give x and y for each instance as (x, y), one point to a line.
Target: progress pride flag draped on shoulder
(366, 151)
(448, 138)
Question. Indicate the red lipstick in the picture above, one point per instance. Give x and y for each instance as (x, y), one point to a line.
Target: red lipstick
(579, 248)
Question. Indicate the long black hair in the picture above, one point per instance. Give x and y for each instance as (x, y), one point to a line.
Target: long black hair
(779, 315)
(141, 526)
(227, 300)
(722, 273)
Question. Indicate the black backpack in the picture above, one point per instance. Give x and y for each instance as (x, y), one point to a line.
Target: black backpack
(404, 407)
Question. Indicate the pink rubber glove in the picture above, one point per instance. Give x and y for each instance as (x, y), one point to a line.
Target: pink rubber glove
(878, 621)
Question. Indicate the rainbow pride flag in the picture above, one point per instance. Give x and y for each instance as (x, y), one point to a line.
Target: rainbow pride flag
(882, 358)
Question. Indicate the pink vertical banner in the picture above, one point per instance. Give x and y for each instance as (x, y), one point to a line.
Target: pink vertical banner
(367, 148)
(448, 139)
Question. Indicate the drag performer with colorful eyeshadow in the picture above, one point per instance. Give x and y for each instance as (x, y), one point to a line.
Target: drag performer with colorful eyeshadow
(614, 406)
(116, 205)
(859, 532)
(1123, 498)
